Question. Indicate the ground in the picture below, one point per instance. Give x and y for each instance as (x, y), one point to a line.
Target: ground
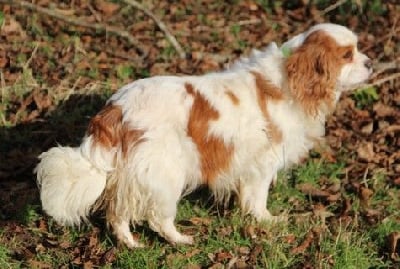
(60, 61)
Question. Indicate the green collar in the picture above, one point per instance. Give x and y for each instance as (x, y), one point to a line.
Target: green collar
(286, 51)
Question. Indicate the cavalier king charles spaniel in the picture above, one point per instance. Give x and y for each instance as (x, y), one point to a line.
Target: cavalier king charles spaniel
(159, 138)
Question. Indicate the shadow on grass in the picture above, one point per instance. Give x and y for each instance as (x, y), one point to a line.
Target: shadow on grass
(20, 145)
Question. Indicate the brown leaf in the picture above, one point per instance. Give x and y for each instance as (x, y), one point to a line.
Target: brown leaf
(334, 197)
(107, 8)
(368, 128)
(42, 101)
(365, 151)
(217, 266)
(365, 195)
(42, 225)
(310, 189)
(249, 231)
(12, 26)
(109, 256)
(290, 238)
(192, 253)
(255, 252)
(243, 250)
(201, 221)
(3, 58)
(320, 212)
(306, 244)
(334, 188)
(223, 256)
(394, 245)
(383, 110)
(225, 231)
(88, 265)
(65, 245)
(34, 264)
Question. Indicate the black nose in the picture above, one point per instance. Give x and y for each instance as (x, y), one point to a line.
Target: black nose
(368, 64)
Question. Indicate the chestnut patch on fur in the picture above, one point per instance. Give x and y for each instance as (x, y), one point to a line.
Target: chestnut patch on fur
(266, 92)
(312, 71)
(235, 100)
(107, 129)
(215, 155)
(130, 138)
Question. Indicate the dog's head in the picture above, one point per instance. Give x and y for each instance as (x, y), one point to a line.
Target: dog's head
(322, 63)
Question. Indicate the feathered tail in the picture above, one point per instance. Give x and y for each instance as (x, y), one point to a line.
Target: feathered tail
(69, 184)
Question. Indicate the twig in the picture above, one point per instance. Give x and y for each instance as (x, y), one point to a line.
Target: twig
(320, 15)
(385, 79)
(384, 66)
(332, 7)
(77, 22)
(381, 81)
(378, 40)
(33, 54)
(160, 25)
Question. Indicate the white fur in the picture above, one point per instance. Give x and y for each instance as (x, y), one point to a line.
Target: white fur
(69, 184)
(167, 164)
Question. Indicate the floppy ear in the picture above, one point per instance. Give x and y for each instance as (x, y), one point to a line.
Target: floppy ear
(312, 71)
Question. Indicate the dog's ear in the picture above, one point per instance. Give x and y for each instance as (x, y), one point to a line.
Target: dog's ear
(312, 71)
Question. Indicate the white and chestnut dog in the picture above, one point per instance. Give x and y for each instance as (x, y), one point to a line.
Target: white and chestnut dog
(159, 138)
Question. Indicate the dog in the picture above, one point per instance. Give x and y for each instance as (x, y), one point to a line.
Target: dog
(159, 138)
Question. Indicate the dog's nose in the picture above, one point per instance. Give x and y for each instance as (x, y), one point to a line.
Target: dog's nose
(368, 64)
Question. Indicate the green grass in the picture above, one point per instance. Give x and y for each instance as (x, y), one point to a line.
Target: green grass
(338, 245)
(225, 234)
(5, 257)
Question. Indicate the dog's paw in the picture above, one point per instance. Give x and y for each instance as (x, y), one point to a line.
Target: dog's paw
(182, 240)
(277, 219)
(268, 218)
(132, 244)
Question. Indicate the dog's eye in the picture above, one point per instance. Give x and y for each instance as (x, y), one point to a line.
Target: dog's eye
(348, 55)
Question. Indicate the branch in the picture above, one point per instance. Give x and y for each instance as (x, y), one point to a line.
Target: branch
(332, 7)
(383, 80)
(160, 25)
(77, 22)
(382, 67)
(379, 82)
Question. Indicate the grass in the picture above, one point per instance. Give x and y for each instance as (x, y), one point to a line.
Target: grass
(223, 235)
(339, 245)
(5, 257)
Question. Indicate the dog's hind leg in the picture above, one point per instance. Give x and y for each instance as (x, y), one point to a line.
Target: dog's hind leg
(123, 233)
(166, 228)
(165, 197)
(253, 196)
(161, 218)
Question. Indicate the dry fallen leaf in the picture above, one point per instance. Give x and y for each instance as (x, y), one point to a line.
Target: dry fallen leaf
(311, 190)
(365, 151)
(394, 245)
(109, 256)
(200, 221)
(107, 8)
(305, 244)
(255, 252)
(365, 196)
